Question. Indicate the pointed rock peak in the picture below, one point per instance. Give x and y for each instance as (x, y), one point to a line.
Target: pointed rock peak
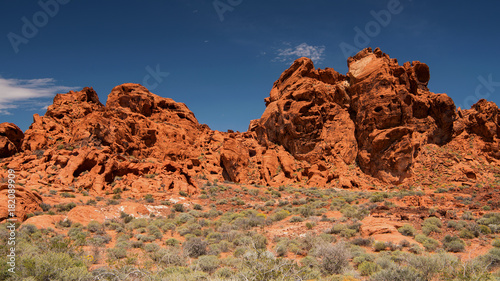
(301, 67)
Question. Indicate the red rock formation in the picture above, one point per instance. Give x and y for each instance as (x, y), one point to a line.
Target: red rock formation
(317, 127)
(483, 120)
(11, 138)
(26, 202)
(394, 113)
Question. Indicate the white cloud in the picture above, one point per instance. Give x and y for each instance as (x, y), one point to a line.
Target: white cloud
(15, 92)
(315, 53)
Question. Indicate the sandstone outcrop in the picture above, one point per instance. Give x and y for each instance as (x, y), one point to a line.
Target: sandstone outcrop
(320, 128)
(11, 138)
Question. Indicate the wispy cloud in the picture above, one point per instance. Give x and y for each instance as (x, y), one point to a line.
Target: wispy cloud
(315, 53)
(27, 92)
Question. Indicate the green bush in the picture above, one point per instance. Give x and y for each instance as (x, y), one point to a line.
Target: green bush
(282, 247)
(379, 246)
(407, 230)
(457, 225)
(397, 273)
(466, 234)
(367, 268)
(352, 211)
(172, 242)
(429, 244)
(453, 244)
(179, 208)
(51, 266)
(279, 215)
(207, 263)
(151, 247)
(94, 227)
(334, 259)
(153, 230)
(296, 219)
(195, 247)
(117, 253)
(496, 243)
(430, 225)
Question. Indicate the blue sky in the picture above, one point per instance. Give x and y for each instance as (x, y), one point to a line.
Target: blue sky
(221, 57)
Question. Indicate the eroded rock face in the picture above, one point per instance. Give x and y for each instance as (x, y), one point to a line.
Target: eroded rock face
(26, 202)
(320, 128)
(307, 113)
(394, 113)
(483, 120)
(11, 138)
(379, 114)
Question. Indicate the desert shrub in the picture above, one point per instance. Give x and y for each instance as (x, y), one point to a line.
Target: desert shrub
(195, 247)
(224, 246)
(262, 265)
(457, 225)
(94, 227)
(153, 230)
(65, 207)
(352, 211)
(117, 253)
(334, 259)
(259, 241)
(496, 243)
(367, 268)
(483, 229)
(493, 256)
(137, 244)
(172, 256)
(145, 238)
(467, 215)
(51, 266)
(430, 225)
(138, 223)
(151, 247)
(431, 266)
(224, 273)
(279, 215)
(45, 207)
(396, 273)
(179, 208)
(282, 247)
(407, 230)
(172, 242)
(183, 218)
(360, 241)
(430, 244)
(453, 244)
(466, 234)
(207, 263)
(306, 211)
(379, 246)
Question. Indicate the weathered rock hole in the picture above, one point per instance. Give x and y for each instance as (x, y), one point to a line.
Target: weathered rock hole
(87, 165)
(170, 168)
(378, 109)
(252, 152)
(287, 105)
(470, 175)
